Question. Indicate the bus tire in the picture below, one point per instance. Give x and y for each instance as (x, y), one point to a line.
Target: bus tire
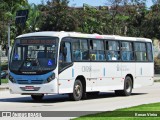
(127, 88)
(37, 97)
(77, 91)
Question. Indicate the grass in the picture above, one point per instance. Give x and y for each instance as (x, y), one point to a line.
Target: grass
(156, 80)
(4, 80)
(126, 113)
(4, 66)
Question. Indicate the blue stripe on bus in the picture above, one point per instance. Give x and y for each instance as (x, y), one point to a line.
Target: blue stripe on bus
(104, 72)
(72, 72)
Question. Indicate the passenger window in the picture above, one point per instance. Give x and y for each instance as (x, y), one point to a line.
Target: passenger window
(65, 55)
(112, 50)
(80, 49)
(149, 52)
(127, 53)
(97, 50)
(140, 51)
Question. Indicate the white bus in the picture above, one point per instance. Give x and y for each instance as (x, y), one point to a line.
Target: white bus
(78, 64)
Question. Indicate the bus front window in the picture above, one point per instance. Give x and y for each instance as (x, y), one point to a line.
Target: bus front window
(34, 56)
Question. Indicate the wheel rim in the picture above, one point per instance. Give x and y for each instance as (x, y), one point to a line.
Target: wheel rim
(128, 86)
(77, 90)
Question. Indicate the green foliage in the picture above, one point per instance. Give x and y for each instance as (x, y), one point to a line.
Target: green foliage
(57, 16)
(4, 66)
(130, 18)
(4, 80)
(151, 108)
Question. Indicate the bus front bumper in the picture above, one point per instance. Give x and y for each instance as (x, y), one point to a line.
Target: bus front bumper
(47, 88)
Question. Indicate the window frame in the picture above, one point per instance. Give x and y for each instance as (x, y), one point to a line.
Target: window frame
(140, 51)
(70, 64)
(151, 51)
(133, 50)
(103, 40)
(79, 38)
(106, 51)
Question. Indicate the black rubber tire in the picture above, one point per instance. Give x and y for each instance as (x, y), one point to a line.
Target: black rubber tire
(77, 91)
(37, 97)
(127, 88)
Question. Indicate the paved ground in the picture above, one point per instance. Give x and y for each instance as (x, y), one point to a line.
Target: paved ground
(104, 102)
(3, 86)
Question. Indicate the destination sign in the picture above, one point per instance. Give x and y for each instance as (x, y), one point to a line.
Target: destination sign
(26, 42)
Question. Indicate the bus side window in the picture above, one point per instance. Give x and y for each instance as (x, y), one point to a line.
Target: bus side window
(65, 55)
(149, 52)
(127, 51)
(65, 52)
(97, 50)
(92, 55)
(80, 49)
(68, 51)
(61, 54)
(140, 51)
(112, 50)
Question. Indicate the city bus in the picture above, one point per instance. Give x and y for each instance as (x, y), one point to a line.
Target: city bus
(79, 64)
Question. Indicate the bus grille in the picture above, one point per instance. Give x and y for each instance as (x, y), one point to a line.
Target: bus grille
(29, 81)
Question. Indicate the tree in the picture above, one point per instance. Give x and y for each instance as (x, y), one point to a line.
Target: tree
(57, 16)
(32, 23)
(7, 16)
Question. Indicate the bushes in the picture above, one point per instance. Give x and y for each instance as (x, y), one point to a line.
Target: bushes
(4, 66)
(157, 65)
(156, 61)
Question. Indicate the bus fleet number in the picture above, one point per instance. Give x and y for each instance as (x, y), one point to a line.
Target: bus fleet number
(86, 68)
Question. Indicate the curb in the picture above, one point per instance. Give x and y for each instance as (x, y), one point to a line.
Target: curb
(4, 86)
(1, 88)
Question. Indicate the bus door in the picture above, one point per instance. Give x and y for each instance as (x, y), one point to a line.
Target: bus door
(65, 82)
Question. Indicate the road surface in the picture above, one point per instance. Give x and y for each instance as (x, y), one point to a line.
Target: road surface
(103, 102)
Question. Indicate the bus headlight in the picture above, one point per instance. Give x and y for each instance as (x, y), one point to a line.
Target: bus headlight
(50, 78)
(11, 79)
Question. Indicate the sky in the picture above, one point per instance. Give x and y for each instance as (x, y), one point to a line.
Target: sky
(90, 2)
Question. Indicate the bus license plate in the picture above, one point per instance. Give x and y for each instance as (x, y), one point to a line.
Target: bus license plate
(29, 87)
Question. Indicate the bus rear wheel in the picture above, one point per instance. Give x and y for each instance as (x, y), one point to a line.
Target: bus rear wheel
(127, 88)
(77, 91)
(37, 97)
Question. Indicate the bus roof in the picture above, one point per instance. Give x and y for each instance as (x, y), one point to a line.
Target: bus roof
(62, 34)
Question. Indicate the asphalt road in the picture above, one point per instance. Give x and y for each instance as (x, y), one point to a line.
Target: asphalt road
(103, 102)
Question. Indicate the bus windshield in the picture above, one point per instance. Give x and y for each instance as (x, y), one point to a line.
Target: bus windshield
(34, 55)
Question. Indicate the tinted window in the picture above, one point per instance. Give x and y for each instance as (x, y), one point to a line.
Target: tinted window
(140, 51)
(97, 50)
(149, 52)
(112, 50)
(37, 55)
(127, 51)
(80, 49)
(65, 55)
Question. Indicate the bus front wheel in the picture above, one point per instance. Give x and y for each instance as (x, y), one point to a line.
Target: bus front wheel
(37, 97)
(127, 88)
(77, 91)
